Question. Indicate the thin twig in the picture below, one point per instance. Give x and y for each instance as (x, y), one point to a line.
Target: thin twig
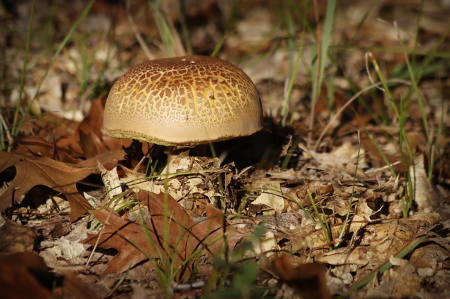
(139, 164)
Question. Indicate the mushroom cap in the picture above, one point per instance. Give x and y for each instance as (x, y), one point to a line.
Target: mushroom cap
(183, 101)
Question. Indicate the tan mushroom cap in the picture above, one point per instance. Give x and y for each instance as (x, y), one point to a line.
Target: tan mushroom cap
(183, 101)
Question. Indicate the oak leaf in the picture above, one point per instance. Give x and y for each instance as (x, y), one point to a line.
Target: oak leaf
(89, 137)
(32, 171)
(185, 235)
(16, 279)
(34, 145)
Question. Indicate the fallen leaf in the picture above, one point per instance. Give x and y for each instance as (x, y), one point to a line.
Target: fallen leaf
(269, 197)
(16, 279)
(89, 133)
(25, 275)
(90, 143)
(399, 282)
(196, 236)
(73, 287)
(49, 125)
(15, 237)
(92, 139)
(137, 180)
(308, 280)
(93, 121)
(36, 146)
(32, 171)
(430, 256)
(89, 136)
(379, 242)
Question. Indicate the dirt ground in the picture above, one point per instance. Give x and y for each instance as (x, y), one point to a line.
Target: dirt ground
(344, 192)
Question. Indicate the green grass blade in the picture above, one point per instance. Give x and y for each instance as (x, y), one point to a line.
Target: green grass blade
(405, 164)
(326, 38)
(292, 80)
(185, 27)
(218, 46)
(163, 26)
(326, 232)
(416, 88)
(24, 70)
(61, 46)
(384, 83)
(416, 36)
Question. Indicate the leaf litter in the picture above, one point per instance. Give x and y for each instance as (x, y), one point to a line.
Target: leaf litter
(62, 151)
(184, 235)
(32, 171)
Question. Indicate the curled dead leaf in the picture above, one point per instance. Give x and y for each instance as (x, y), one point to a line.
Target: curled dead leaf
(32, 171)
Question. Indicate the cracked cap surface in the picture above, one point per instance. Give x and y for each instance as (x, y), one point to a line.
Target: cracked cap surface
(183, 101)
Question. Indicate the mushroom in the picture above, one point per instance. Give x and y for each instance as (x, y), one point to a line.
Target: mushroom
(183, 101)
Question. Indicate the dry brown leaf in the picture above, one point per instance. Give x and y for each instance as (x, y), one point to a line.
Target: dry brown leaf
(73, 287)
(15, 237)
(380, 241)
(430, 256)
(69, 143)
(401, 281)
(90, 136)
(49, 125)
(91, 144)
(32, 171)
(198, 235)
(310, 237)
(270, 198)
(16, 280)
(36, 146)
(308, 280)
(393, 157)
(137, 180)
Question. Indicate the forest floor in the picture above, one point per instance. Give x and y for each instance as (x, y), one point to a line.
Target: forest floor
(345, 192)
